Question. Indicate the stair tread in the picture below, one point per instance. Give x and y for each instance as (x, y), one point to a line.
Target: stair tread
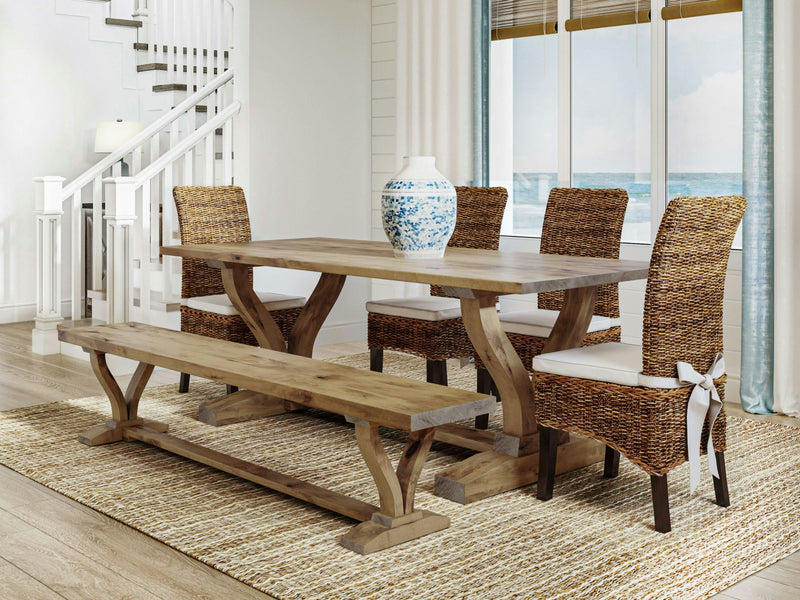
(123, 22)
(170, 87)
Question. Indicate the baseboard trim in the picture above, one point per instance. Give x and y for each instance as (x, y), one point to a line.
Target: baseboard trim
(15, 313)
(340, 333)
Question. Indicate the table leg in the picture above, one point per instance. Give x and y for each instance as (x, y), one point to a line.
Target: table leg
(397, 521)
(244, 404)
(314, 313)
(514, 461)
(124, 407)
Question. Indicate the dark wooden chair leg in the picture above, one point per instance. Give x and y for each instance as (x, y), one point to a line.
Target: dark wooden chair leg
(484, 386)
(230, 389)
(376, 359)
(658, 483)
(548, 451)
(183, 386)
(721, 484)
(437, 371)
(484, 381)
(611, 465)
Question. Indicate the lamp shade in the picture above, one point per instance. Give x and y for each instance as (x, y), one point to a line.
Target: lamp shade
(112, 134)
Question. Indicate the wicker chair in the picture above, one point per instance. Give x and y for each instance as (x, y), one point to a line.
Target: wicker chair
(213, 215)
(635, 398)
(431, 326)
(580, 222)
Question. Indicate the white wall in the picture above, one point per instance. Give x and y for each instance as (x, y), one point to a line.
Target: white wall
(55, 90)
(309, 111)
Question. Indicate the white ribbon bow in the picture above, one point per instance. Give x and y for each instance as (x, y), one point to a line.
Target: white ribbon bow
(703, 401)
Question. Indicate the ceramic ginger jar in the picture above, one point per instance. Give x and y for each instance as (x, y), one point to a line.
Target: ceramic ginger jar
(418, 207)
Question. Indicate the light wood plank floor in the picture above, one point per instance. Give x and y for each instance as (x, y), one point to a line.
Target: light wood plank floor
(52, 547)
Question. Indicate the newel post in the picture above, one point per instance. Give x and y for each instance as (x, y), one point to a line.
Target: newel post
(48, 208)
(141, 13)
(120, 194)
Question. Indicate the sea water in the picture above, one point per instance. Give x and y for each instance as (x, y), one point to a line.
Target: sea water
(530, 191)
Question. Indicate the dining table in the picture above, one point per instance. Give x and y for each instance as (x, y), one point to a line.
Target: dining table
(504, 460)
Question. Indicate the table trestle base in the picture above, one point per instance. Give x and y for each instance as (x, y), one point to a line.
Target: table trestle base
(242, 406)
(489, 473)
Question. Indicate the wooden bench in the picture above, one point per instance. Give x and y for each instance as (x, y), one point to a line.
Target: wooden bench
(366, 398)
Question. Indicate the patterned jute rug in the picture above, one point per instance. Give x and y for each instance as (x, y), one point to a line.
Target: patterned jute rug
(594, 539)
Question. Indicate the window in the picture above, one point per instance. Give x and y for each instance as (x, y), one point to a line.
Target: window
(524, 126)
(611, 118)
(704, 112)
(605, 133)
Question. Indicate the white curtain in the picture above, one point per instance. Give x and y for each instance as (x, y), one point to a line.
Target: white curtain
(787, 207)
(434, 90)
(434, 84)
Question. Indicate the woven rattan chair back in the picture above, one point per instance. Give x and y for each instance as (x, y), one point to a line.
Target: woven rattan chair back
(584, 222)
(686, 283)
(478, 219)
(209, 215)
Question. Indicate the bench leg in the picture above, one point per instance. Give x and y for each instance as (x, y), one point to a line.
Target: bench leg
(397, 521)
(124, 407)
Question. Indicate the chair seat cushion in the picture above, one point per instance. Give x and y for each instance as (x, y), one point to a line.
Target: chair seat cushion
(613, 362)
(220, 303)
(424, 308)
(539, 322)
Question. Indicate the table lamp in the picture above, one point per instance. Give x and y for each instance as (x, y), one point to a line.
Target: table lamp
(113, 134)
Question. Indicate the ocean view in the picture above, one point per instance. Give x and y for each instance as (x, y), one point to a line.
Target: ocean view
(530, 191)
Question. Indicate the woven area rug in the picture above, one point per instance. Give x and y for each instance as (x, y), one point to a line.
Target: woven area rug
(594, 539)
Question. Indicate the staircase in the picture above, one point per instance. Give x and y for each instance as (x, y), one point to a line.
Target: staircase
(184, 63)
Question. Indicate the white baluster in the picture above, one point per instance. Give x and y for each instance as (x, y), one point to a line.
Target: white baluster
(97, 233)
(143, 251)
(155, 216)
(219, 21)
(227, 154)
(208, 170)
(136, 160)
(155, 30)
(209, 37)
(48, 209)
(155, 198)
(169, 34)
(167, 225)
(181, 59)
(120, 216)
(188, 167)
(76, 262)
(192, 66)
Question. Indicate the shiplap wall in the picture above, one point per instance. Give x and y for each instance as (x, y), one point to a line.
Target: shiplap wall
(385, 162)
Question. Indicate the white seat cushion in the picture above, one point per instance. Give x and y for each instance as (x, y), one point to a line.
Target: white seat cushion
(539, 322)
(220, 303)
(424, 308)
(613, 362)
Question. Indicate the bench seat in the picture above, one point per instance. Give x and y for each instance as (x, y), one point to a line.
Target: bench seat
(368, 399)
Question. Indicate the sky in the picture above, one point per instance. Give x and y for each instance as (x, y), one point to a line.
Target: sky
(611, 98)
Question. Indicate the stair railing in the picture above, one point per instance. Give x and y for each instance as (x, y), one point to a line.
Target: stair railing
(133, 205)
(149, 149)
(190, 39)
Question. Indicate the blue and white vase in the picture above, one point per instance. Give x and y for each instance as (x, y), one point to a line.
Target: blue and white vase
(419, 209)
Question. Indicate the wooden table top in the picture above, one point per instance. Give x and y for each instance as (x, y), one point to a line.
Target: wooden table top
(501, 272)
